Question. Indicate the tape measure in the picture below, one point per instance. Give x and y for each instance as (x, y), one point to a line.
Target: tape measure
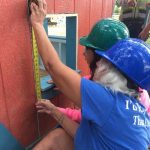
(36, 63)
(36, 66)
(36, 75)
(35, 54)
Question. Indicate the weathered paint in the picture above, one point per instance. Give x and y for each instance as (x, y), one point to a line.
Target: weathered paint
(18, 97)
(96, 11)
(3, 110)
(107, 8)
(64, 6)
(82, 8)
(51, 6)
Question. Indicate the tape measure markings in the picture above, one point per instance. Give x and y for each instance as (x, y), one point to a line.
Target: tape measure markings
(36, 66)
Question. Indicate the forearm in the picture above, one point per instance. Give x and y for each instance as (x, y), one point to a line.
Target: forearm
(61, 74)
(147, 28)
(46, 49)
(69, 125)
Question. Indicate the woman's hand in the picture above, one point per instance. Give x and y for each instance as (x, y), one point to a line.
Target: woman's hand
(38, 12)
(132, 3)
(70, 126)
(45, 106)
(144, 35)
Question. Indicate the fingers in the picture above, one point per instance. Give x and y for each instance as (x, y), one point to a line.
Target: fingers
(32, 9)
(44, 103)
(40, 107)
(45, 106)
(50, 81)
(41, 104)
(35, 7)
(41, 5)
(40, 2)
(44, 4)
(44, 111)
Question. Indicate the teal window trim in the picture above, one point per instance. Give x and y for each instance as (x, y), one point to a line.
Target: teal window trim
(8, 141)
(70, 40)
(71, 37)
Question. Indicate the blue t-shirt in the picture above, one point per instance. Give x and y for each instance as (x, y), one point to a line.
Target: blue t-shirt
(111, 120)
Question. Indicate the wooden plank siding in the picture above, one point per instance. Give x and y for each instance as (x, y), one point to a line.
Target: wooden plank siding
(96, 11)
(17, 106)
(107, 8)
(51, 6)
(3, 110)
(82, 8)
(64, 6)
(17, 91)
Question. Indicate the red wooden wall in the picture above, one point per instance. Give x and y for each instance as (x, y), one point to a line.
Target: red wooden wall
(17, 93)
(17, 96)
(89, 11)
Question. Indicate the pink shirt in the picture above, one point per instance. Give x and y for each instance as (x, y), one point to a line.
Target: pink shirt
(74, 114)
(145, 100)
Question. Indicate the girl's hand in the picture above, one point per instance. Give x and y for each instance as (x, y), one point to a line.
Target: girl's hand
(38, 12)
(45, 106)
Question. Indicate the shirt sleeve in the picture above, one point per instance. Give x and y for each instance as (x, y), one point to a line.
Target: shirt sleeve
(144, 98)
(97, 102)
(74, 114)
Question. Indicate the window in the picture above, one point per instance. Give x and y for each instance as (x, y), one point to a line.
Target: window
(62, 31)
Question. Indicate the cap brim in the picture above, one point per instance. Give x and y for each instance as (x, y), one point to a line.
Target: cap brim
(84, 42)
(102, 54)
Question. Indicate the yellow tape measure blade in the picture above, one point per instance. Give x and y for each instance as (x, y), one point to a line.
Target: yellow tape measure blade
(36, 67)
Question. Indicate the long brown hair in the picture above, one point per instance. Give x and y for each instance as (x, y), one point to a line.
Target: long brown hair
(92, 65)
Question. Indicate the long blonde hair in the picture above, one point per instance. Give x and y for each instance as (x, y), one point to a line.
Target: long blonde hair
(107, 75)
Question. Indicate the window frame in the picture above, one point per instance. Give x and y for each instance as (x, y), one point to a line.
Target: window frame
(71, 51)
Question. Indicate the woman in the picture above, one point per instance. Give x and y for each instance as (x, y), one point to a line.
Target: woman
(91, 58)
(108, 29)
(106, 93)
